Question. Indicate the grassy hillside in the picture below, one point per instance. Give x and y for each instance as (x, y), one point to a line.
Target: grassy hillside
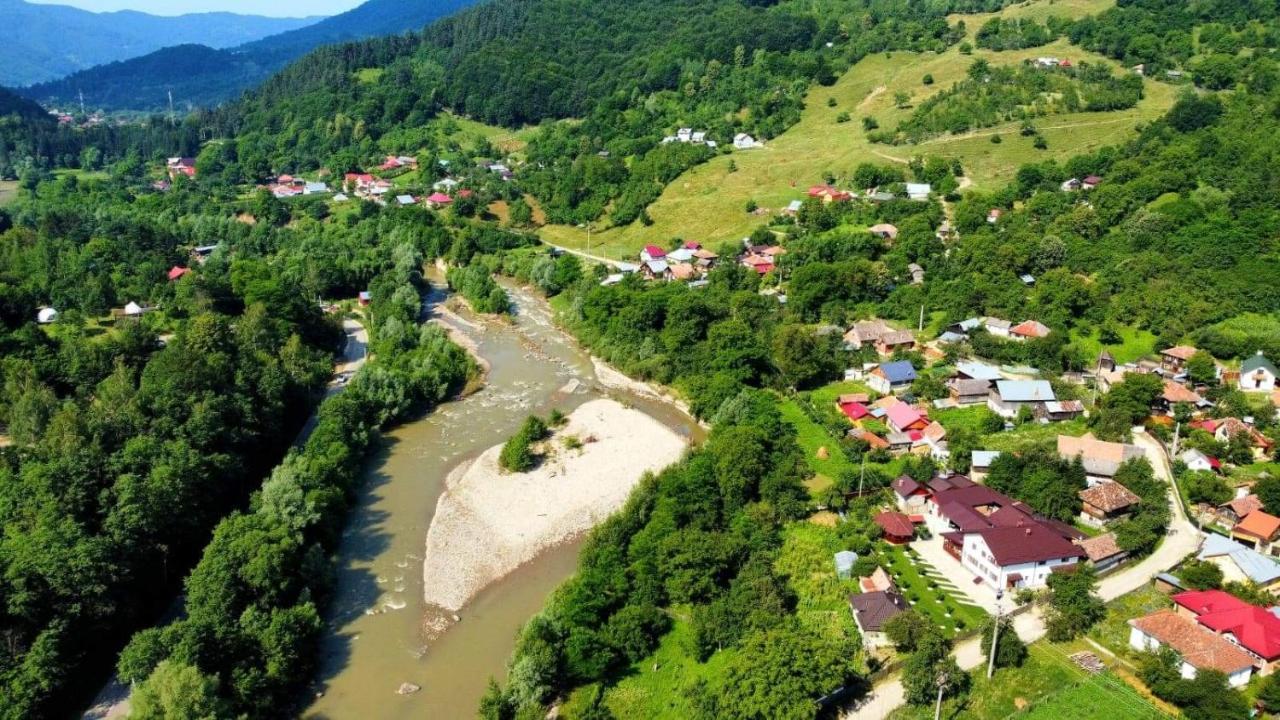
(707, 203)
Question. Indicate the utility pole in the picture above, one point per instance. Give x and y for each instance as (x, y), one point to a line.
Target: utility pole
(82, 112)
(863, 476)
(170, 107)
(995, 636)
(942, 685)
(920, 328)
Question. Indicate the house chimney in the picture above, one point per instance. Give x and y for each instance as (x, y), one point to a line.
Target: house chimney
(1027, 531)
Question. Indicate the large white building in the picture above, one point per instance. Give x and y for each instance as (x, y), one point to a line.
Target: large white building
(1017, 556)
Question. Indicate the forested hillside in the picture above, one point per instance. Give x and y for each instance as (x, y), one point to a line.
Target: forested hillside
(201, 73)
(40, 42)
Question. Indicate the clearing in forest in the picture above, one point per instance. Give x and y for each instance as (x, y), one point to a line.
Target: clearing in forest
(708, 202)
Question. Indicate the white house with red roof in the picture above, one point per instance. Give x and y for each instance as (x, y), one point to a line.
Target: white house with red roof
(1249, 627)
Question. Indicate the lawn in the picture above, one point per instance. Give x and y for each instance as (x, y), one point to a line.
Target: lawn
(1048, 686)
(8, 191)
(1113, 631)
(970, 418)
(929, 592)
(831, 392)
(1134, 344)
(813, 436)
(1033, 433)
(707, 203)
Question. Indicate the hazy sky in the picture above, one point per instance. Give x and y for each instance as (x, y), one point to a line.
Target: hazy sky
(246, 7)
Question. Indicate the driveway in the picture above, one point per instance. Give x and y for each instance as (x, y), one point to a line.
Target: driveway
(980, 594)
(1182, 540)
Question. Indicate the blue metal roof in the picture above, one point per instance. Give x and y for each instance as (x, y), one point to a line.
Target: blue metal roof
(898, 372)
(1260, 568)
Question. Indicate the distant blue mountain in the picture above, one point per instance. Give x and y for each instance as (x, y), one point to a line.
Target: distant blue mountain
(200, 75)
(44, 42)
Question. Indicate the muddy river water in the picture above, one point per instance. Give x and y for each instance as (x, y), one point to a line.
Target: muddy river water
(375, 638)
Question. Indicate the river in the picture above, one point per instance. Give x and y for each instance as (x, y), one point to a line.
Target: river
(375, 637)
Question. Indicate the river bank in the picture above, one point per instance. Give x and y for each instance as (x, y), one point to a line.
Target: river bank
(376, 637)
(489, 521)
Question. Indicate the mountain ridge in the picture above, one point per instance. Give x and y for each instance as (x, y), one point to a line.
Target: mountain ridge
(199, 75)
(42, 42)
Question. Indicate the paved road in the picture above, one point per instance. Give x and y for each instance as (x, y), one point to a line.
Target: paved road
(112, 701)
(1182, 540)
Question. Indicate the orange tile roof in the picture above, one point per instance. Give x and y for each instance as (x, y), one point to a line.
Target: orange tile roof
(1181, 352)
(1109, 496)
(1199, 647)
(1101, 547)
(1259, 524)
(1175, 393)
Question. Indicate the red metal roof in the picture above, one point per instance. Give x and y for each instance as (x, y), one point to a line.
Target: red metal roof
(895, 524)
(1254, 628)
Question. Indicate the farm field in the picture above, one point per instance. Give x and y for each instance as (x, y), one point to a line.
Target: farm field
(708, 202)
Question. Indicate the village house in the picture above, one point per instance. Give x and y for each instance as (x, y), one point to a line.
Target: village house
(898, 528)
(911, 495)
(1008, 397)
(993, 215)
(1228, 427)
(181, 166)
(980, 463)
(1029, 329)
(1000, 540)
(1103, 552)
(964, 392)
(655, 269)
(884, 231)
(1016, 557)
(438, 201)
(916, 272)
(1070, 185)
(905, 418)
(944, 232)
(1257, 374)
(891, 342)
(1174, 359)
(918, 192)
(652, 252)
(997, 327)
(46, 315)
(1105, 503)
(1197, 648)
(1090, 182)
(743, 141)
(865, 332)
(1257, 530)
(888, 378)
(871, 610)
(1101, 459)
(762, 264)
(828, 194)
(1198, 461)
(1237, 509)
(1248, 627)
(1059, 410)
(1239, 563)
(1174, 394)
